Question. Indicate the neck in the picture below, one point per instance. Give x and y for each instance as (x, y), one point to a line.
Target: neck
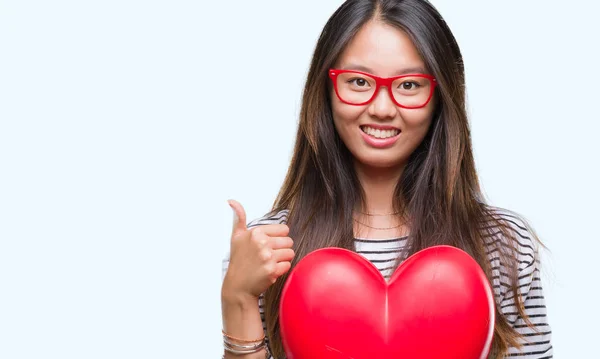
(379, 185)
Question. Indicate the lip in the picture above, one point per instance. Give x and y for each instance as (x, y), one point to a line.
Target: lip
(380, 142)
(380, 127)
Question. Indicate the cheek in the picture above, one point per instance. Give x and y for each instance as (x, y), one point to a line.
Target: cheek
(418, 120)
(345, 116)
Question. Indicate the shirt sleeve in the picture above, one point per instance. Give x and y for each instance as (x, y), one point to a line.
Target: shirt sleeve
(536, 340)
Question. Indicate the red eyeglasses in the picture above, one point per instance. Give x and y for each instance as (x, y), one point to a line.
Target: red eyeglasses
(359, 88)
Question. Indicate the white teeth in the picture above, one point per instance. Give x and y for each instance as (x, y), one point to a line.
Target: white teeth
(380, 133)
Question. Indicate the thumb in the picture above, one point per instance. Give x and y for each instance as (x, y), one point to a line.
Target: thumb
(239, 216)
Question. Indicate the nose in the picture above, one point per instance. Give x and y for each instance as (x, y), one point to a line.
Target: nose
(382, 106)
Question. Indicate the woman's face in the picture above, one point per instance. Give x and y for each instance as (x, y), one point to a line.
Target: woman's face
(383, 51)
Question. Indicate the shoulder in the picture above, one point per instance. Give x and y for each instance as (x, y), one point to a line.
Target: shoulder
(512, 248)
(273, 217)
(511, 233)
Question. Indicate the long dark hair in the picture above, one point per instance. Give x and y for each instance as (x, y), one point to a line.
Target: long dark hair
(438, 193)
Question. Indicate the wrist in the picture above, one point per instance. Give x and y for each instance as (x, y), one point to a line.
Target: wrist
(238, 298)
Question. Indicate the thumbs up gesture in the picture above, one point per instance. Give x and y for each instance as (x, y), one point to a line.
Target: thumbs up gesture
(258, 256)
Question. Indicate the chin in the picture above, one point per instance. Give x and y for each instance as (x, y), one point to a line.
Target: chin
(380, 163)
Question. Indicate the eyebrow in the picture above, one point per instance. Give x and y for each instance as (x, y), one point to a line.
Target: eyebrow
(408, 70)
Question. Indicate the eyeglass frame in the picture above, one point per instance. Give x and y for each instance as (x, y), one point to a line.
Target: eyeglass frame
(379, 82)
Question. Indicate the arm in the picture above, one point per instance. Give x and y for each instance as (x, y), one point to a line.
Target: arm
(241, 318)
(258, 256)
(536, 341)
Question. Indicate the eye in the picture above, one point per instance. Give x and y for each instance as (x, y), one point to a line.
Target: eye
(409, 85)
(358, 81)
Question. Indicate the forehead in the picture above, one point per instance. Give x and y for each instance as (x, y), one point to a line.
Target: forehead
(381, 49)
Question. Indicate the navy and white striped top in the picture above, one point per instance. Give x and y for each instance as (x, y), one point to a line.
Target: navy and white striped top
(536, 342)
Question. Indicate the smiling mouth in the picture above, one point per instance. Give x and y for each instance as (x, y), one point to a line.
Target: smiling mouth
(377, 133)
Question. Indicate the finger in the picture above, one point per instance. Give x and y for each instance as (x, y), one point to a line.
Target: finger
(281, 242)
(275, 230)
(282, 267)
(283, 255)
(239, 216)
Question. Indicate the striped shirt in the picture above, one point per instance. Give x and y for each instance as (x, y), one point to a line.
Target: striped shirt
(536, 342)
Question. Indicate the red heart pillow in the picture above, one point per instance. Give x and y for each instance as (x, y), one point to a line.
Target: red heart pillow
(438, 304)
